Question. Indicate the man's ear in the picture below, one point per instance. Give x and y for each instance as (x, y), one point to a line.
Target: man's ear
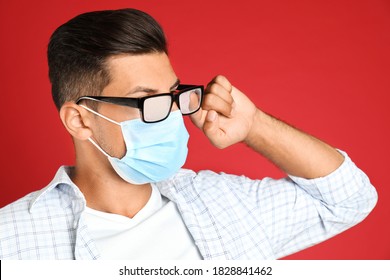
(76, 120)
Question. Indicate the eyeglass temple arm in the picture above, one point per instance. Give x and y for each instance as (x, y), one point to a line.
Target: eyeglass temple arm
(123, 101)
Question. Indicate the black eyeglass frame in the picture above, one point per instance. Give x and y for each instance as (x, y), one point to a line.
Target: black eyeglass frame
(138, 102)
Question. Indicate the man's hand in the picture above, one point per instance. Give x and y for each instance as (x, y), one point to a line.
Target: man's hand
(226, 116)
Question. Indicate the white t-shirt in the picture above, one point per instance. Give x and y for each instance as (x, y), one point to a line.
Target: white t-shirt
(156, 232)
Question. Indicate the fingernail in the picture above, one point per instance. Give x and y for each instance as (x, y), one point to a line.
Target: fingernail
(211, 116)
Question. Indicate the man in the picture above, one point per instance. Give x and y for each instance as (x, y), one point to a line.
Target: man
(127, 196)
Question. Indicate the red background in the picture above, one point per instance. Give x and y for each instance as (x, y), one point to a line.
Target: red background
(323, 66)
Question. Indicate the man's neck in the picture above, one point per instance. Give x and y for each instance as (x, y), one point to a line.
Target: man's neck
(105, 191)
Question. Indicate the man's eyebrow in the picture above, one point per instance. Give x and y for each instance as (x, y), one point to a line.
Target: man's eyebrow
(151, 90)
(175, 85)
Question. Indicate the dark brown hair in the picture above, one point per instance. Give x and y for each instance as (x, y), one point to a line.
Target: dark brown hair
(78, 50)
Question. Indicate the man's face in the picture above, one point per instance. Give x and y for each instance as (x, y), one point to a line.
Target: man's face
(131, 76)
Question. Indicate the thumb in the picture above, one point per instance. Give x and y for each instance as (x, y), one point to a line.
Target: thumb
(211, 127)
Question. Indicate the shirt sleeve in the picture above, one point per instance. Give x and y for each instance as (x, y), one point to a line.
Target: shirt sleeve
(297, 213)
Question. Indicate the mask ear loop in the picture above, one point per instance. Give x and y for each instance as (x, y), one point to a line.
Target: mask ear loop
(104, 117)
(99, 148)
(100, 115)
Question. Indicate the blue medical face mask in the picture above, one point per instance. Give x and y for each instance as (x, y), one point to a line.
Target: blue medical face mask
(154, 151)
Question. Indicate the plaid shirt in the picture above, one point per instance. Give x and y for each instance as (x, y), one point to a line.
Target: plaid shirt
(229, 217)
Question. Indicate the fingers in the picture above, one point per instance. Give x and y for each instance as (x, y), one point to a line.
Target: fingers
(218, 96)
(218, 102)
(212, 129)
(223, 81)
(222, 121)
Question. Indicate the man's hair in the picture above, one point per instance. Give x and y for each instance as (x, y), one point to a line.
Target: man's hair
(78, 50)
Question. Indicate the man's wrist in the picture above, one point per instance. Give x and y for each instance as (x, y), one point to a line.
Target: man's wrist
(254, 133)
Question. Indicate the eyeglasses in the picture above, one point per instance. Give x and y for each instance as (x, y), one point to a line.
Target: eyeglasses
(156, 108)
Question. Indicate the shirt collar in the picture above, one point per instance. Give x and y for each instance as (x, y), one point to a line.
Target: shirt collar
(74, 194)
(61, 178)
